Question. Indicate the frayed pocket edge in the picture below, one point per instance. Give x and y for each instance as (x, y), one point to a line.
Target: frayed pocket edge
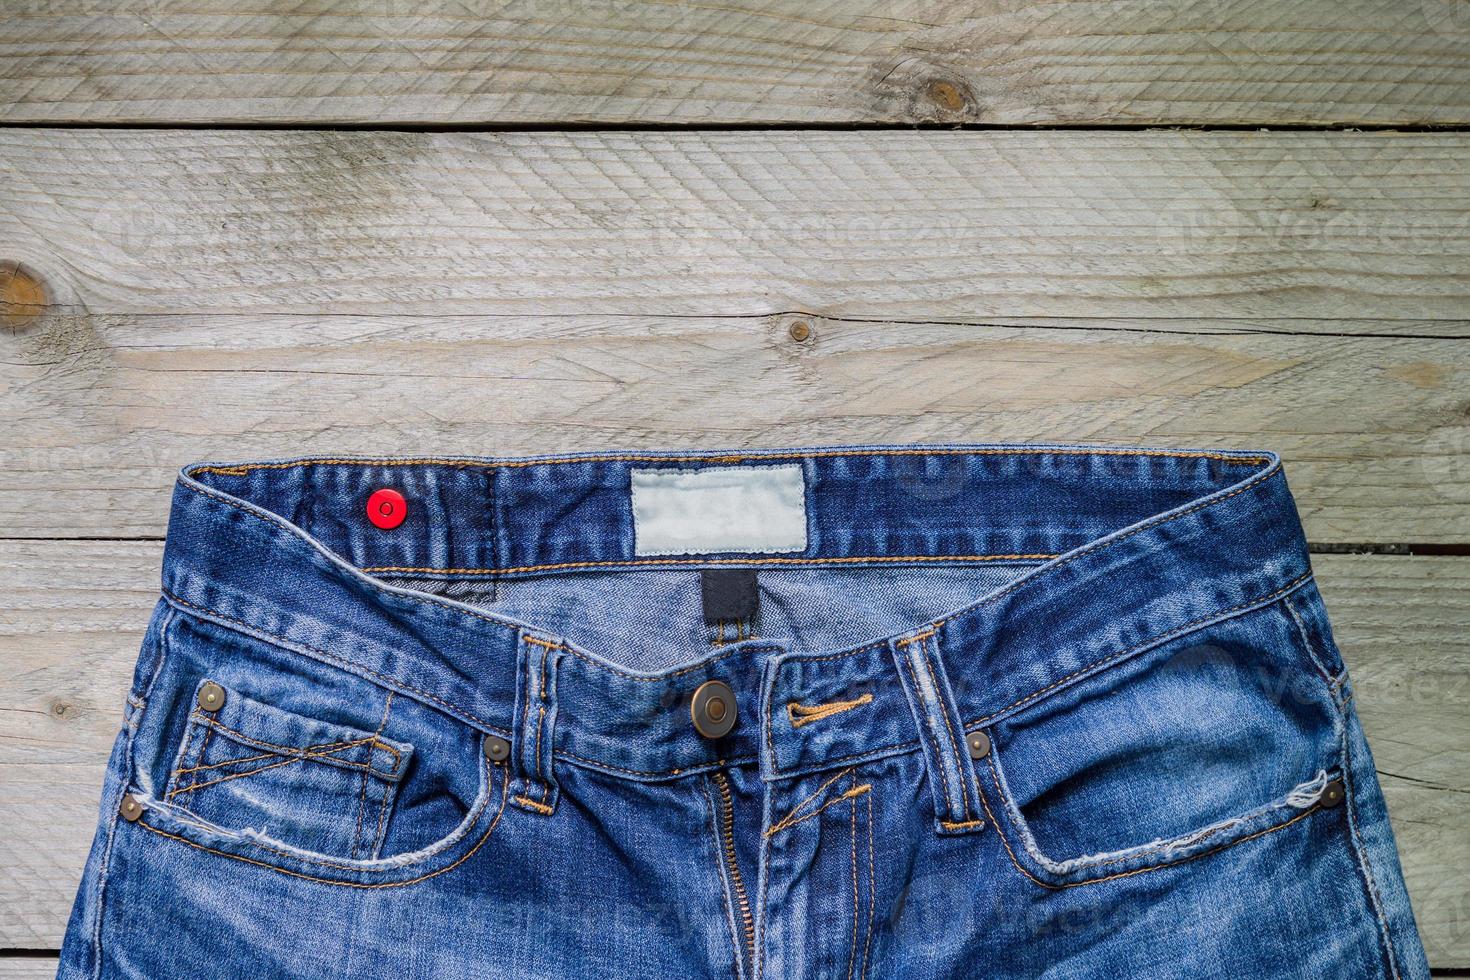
(1159, 854)
(253, 847)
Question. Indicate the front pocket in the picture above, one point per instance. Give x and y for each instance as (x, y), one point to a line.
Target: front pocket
(323, 788)
(1206, 740)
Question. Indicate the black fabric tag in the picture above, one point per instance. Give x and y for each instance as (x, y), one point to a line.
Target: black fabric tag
(729, 593)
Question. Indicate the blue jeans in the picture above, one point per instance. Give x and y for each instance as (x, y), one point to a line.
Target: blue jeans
(939, 711)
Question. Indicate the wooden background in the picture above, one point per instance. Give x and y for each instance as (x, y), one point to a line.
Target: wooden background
(596, 223)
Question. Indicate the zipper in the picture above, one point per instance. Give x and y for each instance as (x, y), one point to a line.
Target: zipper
(727, 842)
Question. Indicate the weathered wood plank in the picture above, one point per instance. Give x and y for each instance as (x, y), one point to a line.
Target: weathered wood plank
(1404, 627)
(27, 967)
(101, 411)
(912, 226)
(72, 614)
(447, 62)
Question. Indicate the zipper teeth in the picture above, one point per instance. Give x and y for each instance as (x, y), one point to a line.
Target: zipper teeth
(727, 834)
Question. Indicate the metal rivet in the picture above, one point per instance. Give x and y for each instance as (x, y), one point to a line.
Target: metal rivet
(211, 696)
(1333, 794)
(979, 744)
(131, 809)
(496, 748)
(713, 709)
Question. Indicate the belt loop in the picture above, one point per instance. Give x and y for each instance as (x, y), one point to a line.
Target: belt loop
(535, 787)
(957, 806)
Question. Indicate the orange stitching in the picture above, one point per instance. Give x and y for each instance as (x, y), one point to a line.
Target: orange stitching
(329, 748)
(284, 762)
(253, 631)
(1163, 638)
(852, 953)
(540, 722)
(345, 884)
(1199, 836)
(835, 560)
(872, 891)
(296, 754)
(233, 762)
(546, 648)
(1005, 842)
(480, 722)
(362, 799)
(811, 796)
(246, 468)
(954, 743)
(931, 734)
(198, 759)
(962, 825)
(203, 745)
(1128, 874)
(992, 597)
(526, 713)
(531, 804)
(1085, 552)
(805, 714)
(480, 805)
(333, 658)
(361, 805)
(727, 830)
(544, 643)
(1132, 853)
(285, 748)
(737, 458)
(1195, 857)
(270, 755)
(183, 752)
(853, 793)
(378, 831)
(916, 637)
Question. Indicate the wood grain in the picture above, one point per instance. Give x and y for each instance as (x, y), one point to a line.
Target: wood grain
(902, 225)
(779, 61)
(72, 615)
(102, 411)
(27, 967)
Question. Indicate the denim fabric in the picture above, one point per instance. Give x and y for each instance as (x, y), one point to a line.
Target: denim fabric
(1167, 777)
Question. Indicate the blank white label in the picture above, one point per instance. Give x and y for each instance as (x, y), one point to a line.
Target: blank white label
(723, 508)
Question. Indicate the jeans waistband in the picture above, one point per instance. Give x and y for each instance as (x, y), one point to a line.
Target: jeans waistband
(1129, 547)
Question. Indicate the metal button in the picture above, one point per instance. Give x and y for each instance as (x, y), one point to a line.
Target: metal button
(131, 809)
(496, 748)
(1333, 794)
(713, 709)
(211, 696)
(979, 744)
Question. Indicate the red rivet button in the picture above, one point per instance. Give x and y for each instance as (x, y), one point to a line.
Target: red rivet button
(387, 508)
